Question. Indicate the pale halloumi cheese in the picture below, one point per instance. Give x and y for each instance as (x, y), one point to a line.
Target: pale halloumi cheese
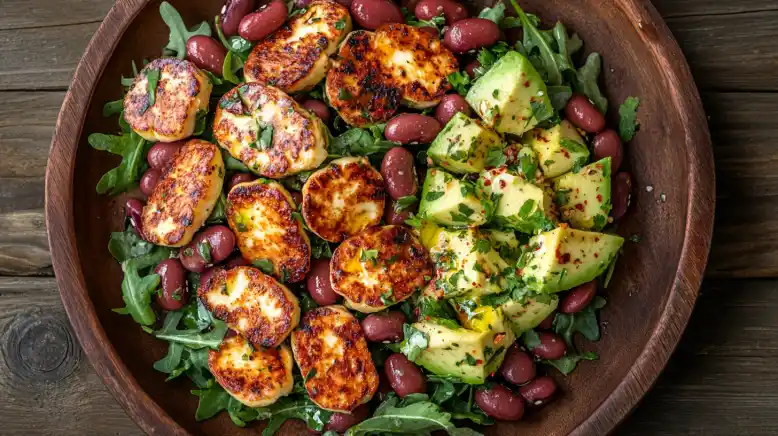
(332, 354)
(262, 216)
(185, 196)
(255, 376)
(296, 57)
(379, 267)
(343, 198)
(252, 303)
(180, 97)
(376, 72)
(268, 131)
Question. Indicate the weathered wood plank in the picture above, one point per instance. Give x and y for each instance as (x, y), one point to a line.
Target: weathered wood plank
(720, 381)
(681, 8)
(26, 124)
(33, 14)
(48, 386)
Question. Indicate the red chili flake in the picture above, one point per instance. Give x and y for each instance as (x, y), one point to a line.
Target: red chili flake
(488, 183)
(586, 202)
(596, 254)
(503, 184)
(427, 317)
(518, 271)
(498, 338)
(479, 362)
(579, 206)
(597, 239)
(562, 258)
(526, 84)
(599, 198)
(567, 155)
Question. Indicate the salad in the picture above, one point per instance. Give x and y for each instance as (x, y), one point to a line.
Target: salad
(370, 218)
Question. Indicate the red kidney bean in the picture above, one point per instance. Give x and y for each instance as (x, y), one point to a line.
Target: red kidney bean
(207, 274)
(240, 178)
(232, 13)
(449, 105)
(548, 323)
(297, 197)
(608, 144)
(319, 284)
(500, 403)
(236, 260)
(257, 25)
(394, 218)
(161, 154)
(174, 294)
(133, 209)
(471, 34)
(320, 109)
(384, 327)
(470, 68)
(221, 242)
(404, 377)
(399, 173)
(579, 298)
(451, 10)
(371, 14)
(412, 129)
(149, 180)
(551, 346)
(621, 194)
(340, 422)
(539, 391)
(517, 367)
(583, 114)
(346, 3)
(206, 53)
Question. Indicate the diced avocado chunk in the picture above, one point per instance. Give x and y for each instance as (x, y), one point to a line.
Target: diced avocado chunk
(449, 201)
(505, 243)
(464, 261)
(526, 315)
(518, 204)
(511, 97)
(474, 316)
(466, 354)
(559, 149)
(462, 146)
(564, 258)
(584, 197)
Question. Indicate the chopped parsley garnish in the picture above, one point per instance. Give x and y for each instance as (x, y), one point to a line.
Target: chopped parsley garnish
(367, 255)
(434, 195)
(204, 249)
(265, 265)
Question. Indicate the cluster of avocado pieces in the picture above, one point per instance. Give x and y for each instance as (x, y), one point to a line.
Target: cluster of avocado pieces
(548, 193)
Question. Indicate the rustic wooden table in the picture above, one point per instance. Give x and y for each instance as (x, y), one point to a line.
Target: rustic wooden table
(721, 381)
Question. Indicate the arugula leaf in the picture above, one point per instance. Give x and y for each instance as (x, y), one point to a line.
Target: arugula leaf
(152, 80)
(533, 39)
(265, 265)
(404, 203)
(170, 362)
(136, 293)
(320, 249)
(289, 408)
(218, 214)
(628, 118)
(530, 339)
(585, 81)
(460, 82)
(113, 108)
(559, 96)
(194, 338)
(231, 65)
(359, 142)
(127, 245)
(495, 13)
(567, 364)
(215, 399)
(232, 164)
(415, 342)
(179, 34)
(130, 147)
(584, 322)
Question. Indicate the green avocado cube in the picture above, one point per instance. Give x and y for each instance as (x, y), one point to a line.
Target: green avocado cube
(450, 201)
(564, 258)
(584, 197)
(526, 315)
(462, 146)
(518, 204)
(511, 97)
(464, 260)
(466, 354)
(559, 148)
(505, 243)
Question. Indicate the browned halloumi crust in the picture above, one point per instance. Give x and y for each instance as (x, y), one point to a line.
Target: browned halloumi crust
(186, 195)
(296, 57)
(255, 376)
(252, 303)
(376, 72)
(331, 351)
(343, 198)
(299, 139)
(182, 91)
(262, 216)
(357, 85)
(398, 270)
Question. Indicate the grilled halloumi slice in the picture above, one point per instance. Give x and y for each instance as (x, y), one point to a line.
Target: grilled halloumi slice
(262, 216)
(379, 267)
(268, 131)
(252, 303)
(343, 198)
(180, 97)
(186, 195)
(255, 376)
(376, 72)
(331, 351)
(296, 57)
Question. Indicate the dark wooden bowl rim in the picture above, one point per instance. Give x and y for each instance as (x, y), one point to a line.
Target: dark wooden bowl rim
(154, 420)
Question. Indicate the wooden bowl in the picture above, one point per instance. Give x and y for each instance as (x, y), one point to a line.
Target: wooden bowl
(649, 301)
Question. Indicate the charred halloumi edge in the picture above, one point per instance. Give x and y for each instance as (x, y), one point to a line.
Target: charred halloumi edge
(184, 198)
(252, 303)
(255, 376)
(174, 114)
